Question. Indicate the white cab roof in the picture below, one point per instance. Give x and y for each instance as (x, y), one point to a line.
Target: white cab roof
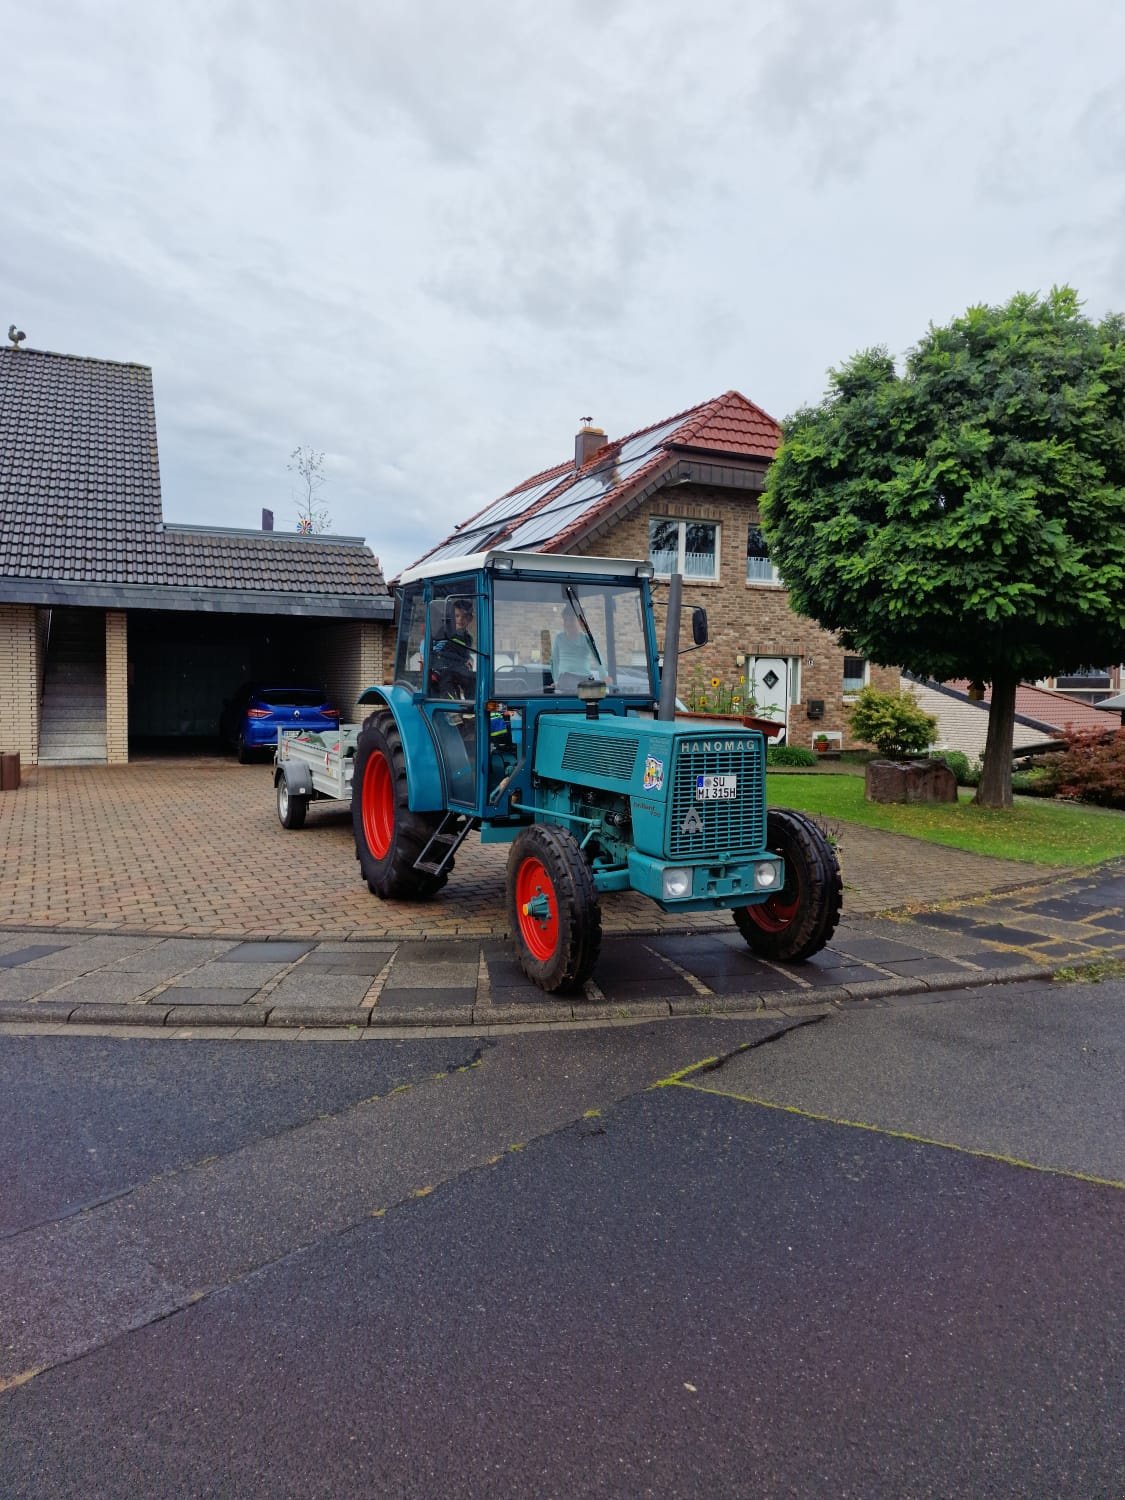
(542, 562)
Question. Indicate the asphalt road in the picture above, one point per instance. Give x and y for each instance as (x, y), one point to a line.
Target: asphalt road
(513, 1266)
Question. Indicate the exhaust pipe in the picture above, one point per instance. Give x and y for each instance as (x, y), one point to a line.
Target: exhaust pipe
(667, 706)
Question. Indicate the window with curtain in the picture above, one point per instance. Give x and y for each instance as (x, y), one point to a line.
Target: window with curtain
(855, 675)
(687, 547)
(759, 569)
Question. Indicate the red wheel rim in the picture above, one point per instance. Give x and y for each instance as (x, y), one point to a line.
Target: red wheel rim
(539, 929)
(378, 804)
(774, 914)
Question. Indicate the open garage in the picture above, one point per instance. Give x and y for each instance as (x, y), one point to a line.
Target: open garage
(183, 669)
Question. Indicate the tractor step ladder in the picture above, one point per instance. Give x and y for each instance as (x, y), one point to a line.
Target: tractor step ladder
(449, 835)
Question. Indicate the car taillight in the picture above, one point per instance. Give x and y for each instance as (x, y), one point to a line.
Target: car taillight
(257, 713)
(330, 713)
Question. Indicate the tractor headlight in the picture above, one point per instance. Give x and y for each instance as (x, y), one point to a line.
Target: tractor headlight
(677, 884)
(766, 877)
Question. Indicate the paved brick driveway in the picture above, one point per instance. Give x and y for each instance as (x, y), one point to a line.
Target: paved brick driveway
(194, 847)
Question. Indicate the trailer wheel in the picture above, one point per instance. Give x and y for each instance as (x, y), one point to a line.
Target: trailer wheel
(553, 909)
(388, 836)
(291, 809)
(798, 920)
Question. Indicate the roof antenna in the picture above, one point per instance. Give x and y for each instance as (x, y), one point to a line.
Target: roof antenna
(16, 335)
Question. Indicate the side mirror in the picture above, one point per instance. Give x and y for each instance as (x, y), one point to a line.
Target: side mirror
(699, 626)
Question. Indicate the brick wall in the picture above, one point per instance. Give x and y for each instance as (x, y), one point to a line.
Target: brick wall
(354, 654)
(20, 656)
(116, 687)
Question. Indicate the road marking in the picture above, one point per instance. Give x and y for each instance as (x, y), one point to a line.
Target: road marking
(677, 1081)
(685, 974)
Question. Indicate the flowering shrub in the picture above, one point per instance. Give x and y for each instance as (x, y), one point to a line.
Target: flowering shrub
(1092, 767)
(712, 695)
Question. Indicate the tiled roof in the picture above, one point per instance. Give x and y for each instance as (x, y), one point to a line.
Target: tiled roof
(963, 724)
(1056, 710)
(552, 509)
(80, 495)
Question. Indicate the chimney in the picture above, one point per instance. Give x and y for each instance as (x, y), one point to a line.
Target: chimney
(588, 442)
(267, 520)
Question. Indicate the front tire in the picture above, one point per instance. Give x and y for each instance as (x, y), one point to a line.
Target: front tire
(798, 920)
(388, 836)
(553, 909)
(291, 809)
(243, 751)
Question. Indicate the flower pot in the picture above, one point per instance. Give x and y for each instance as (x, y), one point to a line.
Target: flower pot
(767, 727)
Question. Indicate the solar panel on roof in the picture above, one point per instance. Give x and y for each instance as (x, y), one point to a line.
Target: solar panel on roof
(574, 499)
(510, 505)
(645, 442)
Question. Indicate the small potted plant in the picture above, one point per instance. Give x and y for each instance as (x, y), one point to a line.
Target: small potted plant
(821, 742)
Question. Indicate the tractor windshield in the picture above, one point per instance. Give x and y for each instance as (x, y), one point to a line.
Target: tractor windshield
(548, 635)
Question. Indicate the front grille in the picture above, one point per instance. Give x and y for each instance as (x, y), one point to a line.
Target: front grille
(611, 756)
(737, 826)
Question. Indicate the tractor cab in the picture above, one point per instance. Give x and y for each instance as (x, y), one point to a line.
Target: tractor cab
(488, 644)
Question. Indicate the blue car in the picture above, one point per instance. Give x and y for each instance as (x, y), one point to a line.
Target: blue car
(251, 719)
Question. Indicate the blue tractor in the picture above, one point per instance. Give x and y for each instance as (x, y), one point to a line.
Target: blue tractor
(528, 703)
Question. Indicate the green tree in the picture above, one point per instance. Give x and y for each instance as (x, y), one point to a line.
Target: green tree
(967, 517)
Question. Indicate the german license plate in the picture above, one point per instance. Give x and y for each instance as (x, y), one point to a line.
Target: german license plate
(716, 788)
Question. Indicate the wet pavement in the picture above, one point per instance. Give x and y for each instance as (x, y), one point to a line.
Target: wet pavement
(190, 984)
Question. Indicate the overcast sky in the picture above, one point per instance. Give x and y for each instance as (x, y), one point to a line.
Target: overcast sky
(428, 238)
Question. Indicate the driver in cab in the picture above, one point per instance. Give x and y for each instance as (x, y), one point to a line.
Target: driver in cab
(572, 656)
(451, 653)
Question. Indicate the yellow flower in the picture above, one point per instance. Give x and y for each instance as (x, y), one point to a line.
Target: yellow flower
(703, 700)
(714, 682)
(742, 680)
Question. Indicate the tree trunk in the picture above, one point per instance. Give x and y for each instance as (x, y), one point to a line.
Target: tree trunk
(995, 788)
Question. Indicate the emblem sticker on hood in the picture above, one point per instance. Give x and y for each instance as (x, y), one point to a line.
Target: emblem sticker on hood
(654, 774)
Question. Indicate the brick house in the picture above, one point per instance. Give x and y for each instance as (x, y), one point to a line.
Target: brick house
(685, 493)
(118, 628)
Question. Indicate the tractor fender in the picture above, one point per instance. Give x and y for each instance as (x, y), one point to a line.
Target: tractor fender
(297, 778)
(423, 774)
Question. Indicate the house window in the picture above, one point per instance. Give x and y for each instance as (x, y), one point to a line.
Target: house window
(687, 547)
(759, 569)
(856, 675)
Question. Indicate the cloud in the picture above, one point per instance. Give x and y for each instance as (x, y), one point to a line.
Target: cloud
(428, 239)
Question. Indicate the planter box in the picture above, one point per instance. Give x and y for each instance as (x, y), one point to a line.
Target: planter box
(768, 727)
(909, 781)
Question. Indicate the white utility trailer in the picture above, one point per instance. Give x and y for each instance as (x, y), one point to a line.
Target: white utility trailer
(308, 766)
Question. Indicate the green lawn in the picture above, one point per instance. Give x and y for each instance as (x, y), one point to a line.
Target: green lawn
(1041, 832)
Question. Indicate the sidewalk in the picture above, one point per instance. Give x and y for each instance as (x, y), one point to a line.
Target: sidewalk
(283, 987)
(167, 894)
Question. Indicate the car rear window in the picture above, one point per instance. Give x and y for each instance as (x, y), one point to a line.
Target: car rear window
(292, 697)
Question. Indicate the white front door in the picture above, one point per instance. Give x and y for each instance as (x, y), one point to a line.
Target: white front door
(767, 677)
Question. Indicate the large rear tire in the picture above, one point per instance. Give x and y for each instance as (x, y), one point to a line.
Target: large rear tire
(798, 920)
(388, 836)
(553, 909)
